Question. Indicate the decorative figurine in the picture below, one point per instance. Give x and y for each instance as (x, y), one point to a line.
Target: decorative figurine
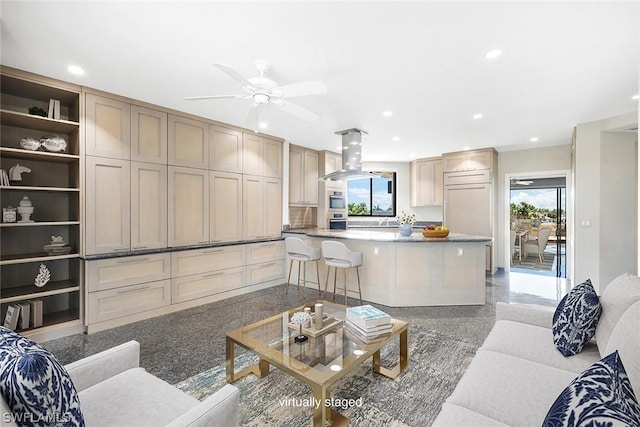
(43, 277)
(25, 209)
(16, 171)
(300, 318)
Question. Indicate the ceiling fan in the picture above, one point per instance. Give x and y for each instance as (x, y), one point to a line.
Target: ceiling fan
(263, 92)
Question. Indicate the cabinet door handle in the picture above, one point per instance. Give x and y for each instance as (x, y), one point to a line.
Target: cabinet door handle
(121, 249)
(213, 251)
(128, 291)
(203, 241)
(219, 273)
(268, 265)
(140, 247)
(125, 261)
(268, 245)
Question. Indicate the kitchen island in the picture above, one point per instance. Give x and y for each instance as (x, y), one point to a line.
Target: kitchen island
(408, 271)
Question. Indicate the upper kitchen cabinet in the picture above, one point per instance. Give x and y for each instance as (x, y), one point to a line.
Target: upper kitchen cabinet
(188, 142)
(148, 206)
(225, 206)
(107, 127)
(262, 156)
(262, 207)
(225, 152)
(188, 216)
(303, 176)
(148, 135)
(426, 182)
(469, 160)
(329, 162)
(108, 205)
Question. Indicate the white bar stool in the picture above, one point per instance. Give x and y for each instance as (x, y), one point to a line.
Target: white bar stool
(299, 251)
(337, 255)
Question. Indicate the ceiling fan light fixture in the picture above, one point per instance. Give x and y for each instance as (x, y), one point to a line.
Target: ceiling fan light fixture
(260, 98)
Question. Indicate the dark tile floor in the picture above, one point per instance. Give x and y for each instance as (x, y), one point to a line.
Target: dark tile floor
(179, 345)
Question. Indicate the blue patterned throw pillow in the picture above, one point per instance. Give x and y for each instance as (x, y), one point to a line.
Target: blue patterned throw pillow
(35, 385)
(575, 319)
(600, 396)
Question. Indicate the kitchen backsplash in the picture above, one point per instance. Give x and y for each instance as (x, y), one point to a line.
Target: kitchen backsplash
(302, 217)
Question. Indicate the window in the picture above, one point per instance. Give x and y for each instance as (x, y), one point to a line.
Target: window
(373, 196)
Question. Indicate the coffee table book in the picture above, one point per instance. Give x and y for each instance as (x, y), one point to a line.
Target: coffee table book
(367, 316)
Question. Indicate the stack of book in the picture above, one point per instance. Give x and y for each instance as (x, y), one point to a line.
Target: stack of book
(368, 322)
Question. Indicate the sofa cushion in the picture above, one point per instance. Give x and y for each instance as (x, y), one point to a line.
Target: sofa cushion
(35, 385)
(601, 395)
(456, 416)
(575, 319)
(625, 339)
(619, 295)
(508, 389)
(134, 398)
(535, 344)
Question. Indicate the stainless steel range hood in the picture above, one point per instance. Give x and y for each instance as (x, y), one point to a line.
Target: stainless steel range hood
(351, 158)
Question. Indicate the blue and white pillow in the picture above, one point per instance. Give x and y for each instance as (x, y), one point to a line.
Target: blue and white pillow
(35, 385)
(576, 318)
(600, 396)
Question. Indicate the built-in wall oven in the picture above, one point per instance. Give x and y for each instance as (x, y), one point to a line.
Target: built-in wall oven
(337, 221)
(337, 201)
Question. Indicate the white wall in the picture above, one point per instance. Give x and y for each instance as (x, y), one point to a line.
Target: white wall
(535, 161)
(592, 140)
(403, 194)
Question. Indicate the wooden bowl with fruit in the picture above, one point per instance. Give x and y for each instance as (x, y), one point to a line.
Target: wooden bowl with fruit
(432, 230)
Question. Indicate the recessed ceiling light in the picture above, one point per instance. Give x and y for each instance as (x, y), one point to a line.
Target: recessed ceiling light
(74, 69)
(395, 138)
(635, 97)
(387, 113)
(263, 125)
(477, 116)
(493, 54)
(339, 148)
(534, 139)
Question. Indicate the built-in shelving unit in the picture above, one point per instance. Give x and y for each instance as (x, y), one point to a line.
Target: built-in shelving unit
(54, 188)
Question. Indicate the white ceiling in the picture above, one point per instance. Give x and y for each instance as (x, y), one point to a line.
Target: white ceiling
(563, 64)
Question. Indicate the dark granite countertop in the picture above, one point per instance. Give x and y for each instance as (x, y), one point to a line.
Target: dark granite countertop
(178, 248)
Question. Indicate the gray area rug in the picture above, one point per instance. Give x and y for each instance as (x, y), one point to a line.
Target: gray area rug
(436, 363)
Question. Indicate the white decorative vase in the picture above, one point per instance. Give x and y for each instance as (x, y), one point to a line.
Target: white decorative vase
(405, 230)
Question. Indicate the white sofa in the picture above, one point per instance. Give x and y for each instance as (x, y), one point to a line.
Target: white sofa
(518, 373)
(115, 391)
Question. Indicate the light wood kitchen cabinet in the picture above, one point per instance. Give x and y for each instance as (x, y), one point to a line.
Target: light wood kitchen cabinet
(107, 127)
(261, 206)
(225, 210)
(469, 160)
(303, 177)
(198, 261)
(188, 142)
(426, 182)
(330, 162)
(261, 156)
(118, 302)
(202, 285)
(148, 206)
(148, 135)
(108, 202)
(225, 150)
(118, 272)
(188, 216)
(265, 262)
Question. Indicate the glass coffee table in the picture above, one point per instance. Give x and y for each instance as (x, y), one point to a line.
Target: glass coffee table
(321, 360)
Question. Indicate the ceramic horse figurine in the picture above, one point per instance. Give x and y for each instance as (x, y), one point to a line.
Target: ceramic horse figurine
(15, 173)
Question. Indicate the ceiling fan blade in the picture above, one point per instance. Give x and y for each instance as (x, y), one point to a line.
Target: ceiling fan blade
(234, 75)
(195, 98)
(298, 111)
(302, 89)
